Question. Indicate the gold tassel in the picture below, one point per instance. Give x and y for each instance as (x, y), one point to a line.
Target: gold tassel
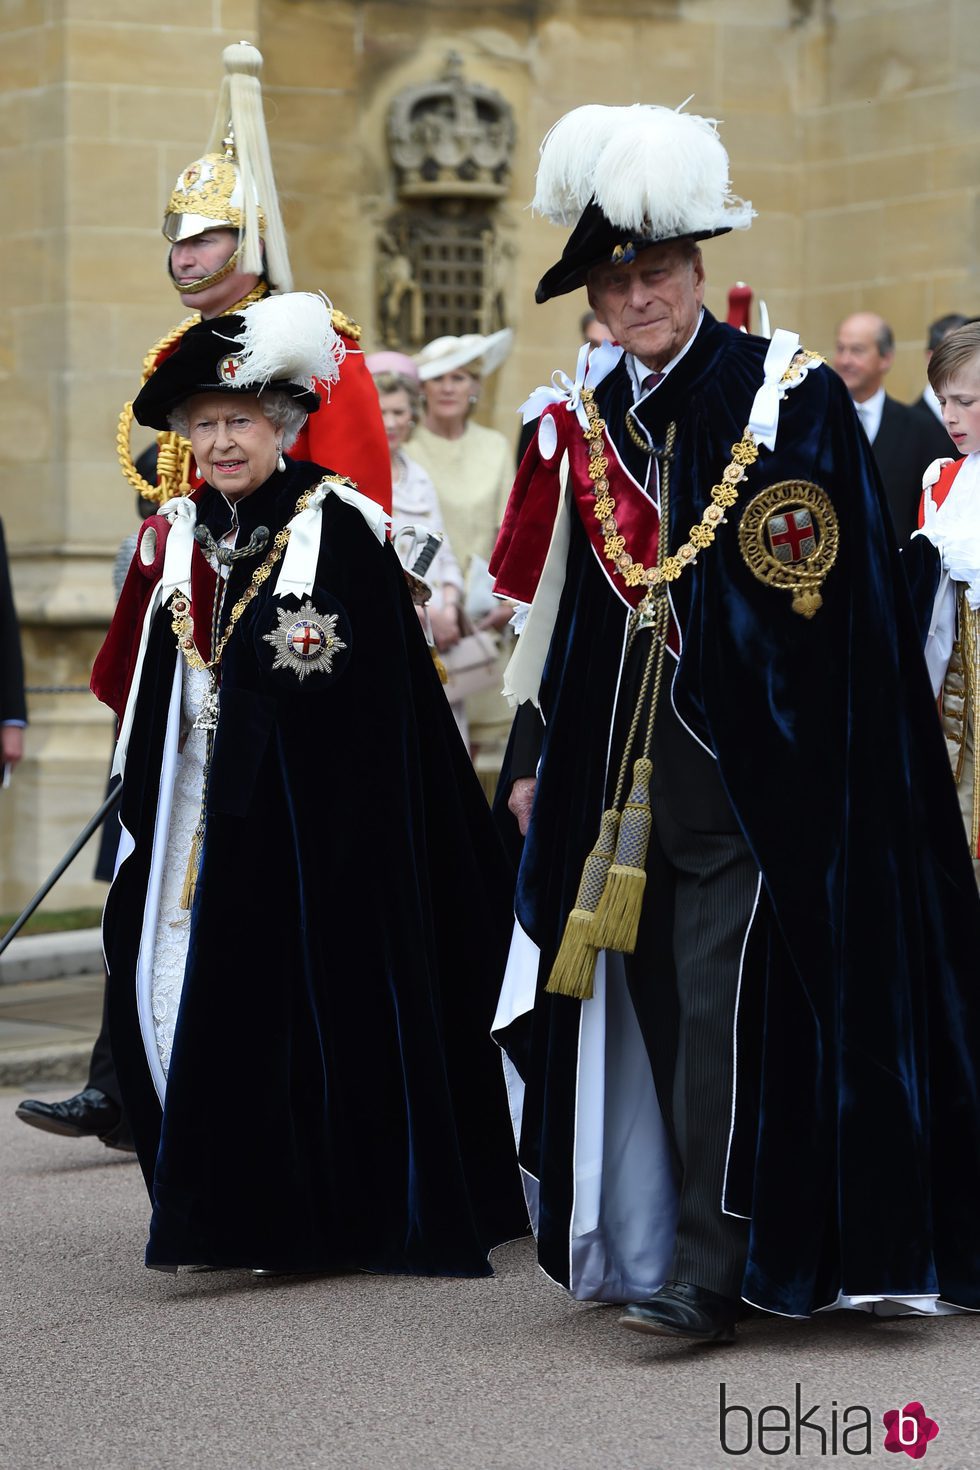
(573, 972)
(186, 900)
(617, 918)
(440, 667)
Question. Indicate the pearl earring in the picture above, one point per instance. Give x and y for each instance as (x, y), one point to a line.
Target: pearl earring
(198, 472)
(473, 399)
(280, 463)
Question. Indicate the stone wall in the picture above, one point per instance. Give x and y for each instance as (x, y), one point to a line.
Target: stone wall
(99, 109)
(853, 125)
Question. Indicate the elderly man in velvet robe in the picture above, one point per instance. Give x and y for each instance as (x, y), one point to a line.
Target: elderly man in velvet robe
(740, 1014)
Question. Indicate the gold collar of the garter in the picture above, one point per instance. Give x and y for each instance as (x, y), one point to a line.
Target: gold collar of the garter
(609, 901)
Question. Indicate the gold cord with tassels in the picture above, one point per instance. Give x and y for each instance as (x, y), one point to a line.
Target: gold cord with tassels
(609, 901)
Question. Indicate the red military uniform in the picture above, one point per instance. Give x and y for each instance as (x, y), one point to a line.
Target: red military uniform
(348, 434)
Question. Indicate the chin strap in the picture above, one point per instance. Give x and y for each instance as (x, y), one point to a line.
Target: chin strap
(191, 288)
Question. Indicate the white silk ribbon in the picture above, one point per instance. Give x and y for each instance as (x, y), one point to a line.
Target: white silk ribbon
(126, 724)
(298, 570)
(764, 417)
(522, 676)
(594, 364)
(181, 512)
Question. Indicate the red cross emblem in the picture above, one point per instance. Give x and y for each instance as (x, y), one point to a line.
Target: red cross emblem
(791, 536)
(191, 175)
(305, 640)
(228, 367)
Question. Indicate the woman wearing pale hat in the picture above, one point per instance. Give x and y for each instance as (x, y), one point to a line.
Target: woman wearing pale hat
(305, 854)
(472, 469)
(415, 505)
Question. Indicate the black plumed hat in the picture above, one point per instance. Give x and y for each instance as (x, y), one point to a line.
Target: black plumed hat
(594, 241)
(283, 343)
(628, 178)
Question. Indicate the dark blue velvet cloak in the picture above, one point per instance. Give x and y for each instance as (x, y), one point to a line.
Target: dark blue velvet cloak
(856, 1133)
(334, 1098)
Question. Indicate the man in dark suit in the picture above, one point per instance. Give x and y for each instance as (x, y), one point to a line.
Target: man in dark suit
(926, 408)
(901, 442)
(13, 708)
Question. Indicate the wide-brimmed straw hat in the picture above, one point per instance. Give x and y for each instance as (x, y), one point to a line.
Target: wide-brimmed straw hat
(479, 355)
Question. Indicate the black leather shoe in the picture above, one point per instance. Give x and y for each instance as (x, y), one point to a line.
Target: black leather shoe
(89, 1114)
(679, 1309)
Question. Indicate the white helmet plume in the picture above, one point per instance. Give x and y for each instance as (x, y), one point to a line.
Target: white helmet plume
(240, 109)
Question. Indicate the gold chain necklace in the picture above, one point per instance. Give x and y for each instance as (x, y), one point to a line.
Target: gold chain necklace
(180, 608)
(700, 536)
(207, 720)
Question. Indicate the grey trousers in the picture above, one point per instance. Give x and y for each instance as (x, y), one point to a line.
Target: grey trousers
(683, 980)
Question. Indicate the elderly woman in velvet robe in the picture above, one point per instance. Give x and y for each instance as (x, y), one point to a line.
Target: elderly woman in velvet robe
(306, 1066)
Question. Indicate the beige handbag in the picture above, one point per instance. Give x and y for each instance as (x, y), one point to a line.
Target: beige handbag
(472, 663)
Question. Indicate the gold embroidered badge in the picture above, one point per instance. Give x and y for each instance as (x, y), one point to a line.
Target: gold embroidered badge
(789, 538)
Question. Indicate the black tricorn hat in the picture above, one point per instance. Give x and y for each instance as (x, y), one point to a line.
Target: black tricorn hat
(208, 359)
(594, 241)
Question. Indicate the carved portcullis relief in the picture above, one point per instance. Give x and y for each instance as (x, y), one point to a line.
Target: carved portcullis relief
(441, 255)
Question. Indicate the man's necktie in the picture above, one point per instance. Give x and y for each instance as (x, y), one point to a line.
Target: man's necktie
(636, 458)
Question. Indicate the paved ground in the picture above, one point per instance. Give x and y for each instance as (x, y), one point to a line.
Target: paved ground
(107, 1366)
(47, 1028)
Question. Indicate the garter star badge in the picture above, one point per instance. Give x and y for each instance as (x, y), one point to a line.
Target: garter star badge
(789, 537)
(306, 642)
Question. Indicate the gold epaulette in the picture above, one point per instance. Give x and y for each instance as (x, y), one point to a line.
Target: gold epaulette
(346, 325)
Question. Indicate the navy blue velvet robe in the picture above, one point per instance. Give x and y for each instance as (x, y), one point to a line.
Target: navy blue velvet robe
(856, 1135)
(334, 1099)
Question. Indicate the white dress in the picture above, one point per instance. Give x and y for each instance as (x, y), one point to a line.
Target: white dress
(414, 503)
(174, 923)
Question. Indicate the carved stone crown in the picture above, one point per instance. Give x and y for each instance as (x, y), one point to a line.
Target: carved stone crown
(451, 138)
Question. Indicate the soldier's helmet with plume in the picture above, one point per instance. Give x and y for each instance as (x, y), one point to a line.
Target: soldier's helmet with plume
(232, 186)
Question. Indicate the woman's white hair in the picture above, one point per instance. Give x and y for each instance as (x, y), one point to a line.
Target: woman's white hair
(282, 411)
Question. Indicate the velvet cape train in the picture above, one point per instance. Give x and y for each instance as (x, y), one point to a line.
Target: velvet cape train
(334, 1099)
(855, 1132)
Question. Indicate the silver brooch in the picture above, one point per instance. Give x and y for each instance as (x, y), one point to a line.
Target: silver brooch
(305, 641)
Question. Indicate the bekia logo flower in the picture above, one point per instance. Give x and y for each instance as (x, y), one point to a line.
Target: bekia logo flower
(805, 1429)
(909, 1429)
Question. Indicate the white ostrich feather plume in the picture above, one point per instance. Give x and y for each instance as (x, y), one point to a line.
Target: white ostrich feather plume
(290, 337)
(569, 154)
(650, 169)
